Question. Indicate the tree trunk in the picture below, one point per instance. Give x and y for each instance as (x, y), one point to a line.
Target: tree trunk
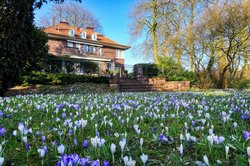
(191, 36)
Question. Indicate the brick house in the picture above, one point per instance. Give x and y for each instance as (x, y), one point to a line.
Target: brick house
(76, 45)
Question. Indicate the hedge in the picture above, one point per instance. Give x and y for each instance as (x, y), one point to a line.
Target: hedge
(61, 79)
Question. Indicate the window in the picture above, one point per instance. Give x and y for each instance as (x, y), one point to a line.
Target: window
(70, 44)
(119, 54)
(78, 46)
(85, 48)
(99, 50)
(72, 32)
(83, 35)
(92, 49)
(94, 36)
(109, 65)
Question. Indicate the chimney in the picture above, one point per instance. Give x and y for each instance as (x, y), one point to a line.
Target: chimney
(54, 23)
(91, 29)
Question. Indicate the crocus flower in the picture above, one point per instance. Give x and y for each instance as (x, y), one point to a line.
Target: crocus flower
(43, 138)
(1, 161)
(84, 161)
(41, 153)
(248, 152)
(95, 163)
(85, 144)
(122, 144)
(1, 114)
(105, 163)
(27, 146)
(206, 160)
(144, 158)
(14, 133)
(61, 149)
(246, 135)
(181, 150)
(227, 150)
(155, 129)
(2, 131)
(113, 148)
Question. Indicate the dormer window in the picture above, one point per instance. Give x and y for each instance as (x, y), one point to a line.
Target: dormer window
(83, 35)
(94, 36)
(72, 32)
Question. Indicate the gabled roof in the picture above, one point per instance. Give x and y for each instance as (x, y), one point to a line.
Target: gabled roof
(63, 29)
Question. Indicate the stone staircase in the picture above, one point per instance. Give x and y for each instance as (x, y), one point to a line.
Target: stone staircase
(133, 85)
(146, 85)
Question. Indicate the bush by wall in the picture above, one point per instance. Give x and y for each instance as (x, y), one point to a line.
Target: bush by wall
(60, 79)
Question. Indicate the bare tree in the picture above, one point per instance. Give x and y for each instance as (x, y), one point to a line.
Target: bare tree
(147, 17)
(73, 13)
(223, 35)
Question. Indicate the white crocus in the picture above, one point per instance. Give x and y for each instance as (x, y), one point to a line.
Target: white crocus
(248, 154)
(41, 152)
(122, 144)
(136, 127)
(144, 158)
(125, 159)
(21, 128)
(113, 148)
(1, 161)
(14, 133)
(181, 149)
(24, 138)
(206, 160)
(61, 149)
(227, 150)
(141, 143)
(95, 141)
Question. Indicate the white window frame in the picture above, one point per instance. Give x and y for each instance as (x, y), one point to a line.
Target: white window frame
(83, 34)
(85, 46)
(72, 32)
(93, 49)
(94, 36)
(70, 44)
(119, 54)
(78, 46)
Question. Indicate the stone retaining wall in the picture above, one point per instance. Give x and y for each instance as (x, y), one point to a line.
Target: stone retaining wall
(160, 84)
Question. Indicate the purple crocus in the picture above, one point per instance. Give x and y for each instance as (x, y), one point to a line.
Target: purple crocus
(85, 144)
(1, 114)
(246, 135)
(84, 161)
(105, 163)
(27, 146)
(43, 138)
(75, 142)
(63, 115)
(45, 148)
(155, 129)
(95, 163)
(2, 131)
(8, 116)
(70, 132)
(163, 138)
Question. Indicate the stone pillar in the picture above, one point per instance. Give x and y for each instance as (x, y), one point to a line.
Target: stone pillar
(64, 67)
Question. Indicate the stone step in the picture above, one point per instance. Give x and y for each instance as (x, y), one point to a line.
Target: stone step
(136, 90)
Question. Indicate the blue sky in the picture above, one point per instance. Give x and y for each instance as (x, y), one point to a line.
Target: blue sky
(113, 16)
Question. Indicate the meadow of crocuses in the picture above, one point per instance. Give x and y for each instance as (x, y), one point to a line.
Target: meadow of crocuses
(126, 129)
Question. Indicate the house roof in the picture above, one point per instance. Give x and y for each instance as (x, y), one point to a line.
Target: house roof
(62, 29)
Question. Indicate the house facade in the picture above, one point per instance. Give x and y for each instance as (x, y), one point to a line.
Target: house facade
(76, 46)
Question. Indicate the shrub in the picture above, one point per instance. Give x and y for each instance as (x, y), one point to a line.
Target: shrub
(61, 79)
(240, 84)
